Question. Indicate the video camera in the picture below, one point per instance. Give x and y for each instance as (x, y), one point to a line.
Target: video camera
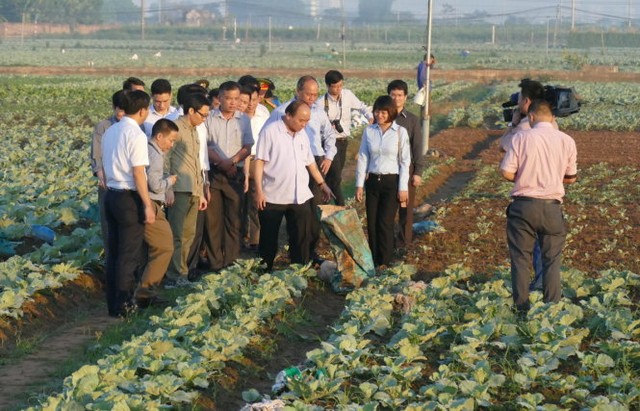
(564, 102)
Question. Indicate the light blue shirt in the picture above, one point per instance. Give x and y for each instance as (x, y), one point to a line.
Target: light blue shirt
(384, 153)
(322, 137)
(227, 137)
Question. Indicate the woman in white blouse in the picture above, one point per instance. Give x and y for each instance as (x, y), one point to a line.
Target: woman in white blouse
(383, 170)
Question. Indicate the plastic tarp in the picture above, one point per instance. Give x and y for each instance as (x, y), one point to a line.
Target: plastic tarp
(349, 245)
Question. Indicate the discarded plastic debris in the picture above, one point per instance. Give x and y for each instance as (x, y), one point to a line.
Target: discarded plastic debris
(426, 226)
(284, 376)
(43, 233)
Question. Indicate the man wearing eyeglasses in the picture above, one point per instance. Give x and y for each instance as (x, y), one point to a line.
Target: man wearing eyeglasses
(229, 141)
(188, 194)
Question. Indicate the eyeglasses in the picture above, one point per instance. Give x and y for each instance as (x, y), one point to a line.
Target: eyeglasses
(201, 115)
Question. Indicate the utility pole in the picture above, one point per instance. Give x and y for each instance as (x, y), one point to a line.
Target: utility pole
(555, 31)
(142, 20)
(269, 33)
(427, 92)
(343, 34)
(573, 15)
(629, 13)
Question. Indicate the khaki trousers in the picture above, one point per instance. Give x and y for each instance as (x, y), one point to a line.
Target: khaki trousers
(160, 241)
(183, 215)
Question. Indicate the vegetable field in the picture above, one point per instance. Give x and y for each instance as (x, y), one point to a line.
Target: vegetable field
(434, 332)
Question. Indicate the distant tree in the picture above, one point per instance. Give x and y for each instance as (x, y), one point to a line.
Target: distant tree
(375, 11)
(11, 10)
(71, 12)
(120, 11)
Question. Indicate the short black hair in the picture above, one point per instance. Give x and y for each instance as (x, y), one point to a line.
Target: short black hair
(398, 85)
(541, 106)
(134, 101)
(228, 86)
(160, 86)
(187, 89)
(117, 100)
(195, 101)
(163, 126)
(531, 89)
(249, 80)
(213, 93)
(385, 103)
(248, 89)
(333, 77)
(132, 81)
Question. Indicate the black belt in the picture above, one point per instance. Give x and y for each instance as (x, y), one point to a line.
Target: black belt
(119, 190)
(539, 200)
(381, 176)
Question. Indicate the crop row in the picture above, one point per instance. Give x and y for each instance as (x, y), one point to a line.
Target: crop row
(455, 344)
(189, 344)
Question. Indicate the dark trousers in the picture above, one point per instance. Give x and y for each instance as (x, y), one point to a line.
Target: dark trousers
(527, 220)
(251, 221)
(125, 219)
(224, 219)
(315, 202)
(405, 219)
(381, 204)
(334, 175)
(194, 252)
(299, 219)
(104, 229)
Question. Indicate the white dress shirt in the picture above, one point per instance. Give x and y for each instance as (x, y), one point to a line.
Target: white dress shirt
(384, 153)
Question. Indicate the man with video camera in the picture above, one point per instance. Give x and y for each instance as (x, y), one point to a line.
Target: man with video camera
(539, 161)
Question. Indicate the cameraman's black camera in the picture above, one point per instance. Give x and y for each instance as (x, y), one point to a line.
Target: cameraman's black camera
(564, 101)
(336, 124)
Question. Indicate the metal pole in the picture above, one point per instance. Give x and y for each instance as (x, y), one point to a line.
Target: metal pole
(344, 36)
(573, 15)
(269, 33)
(425, 107)
(142, 20)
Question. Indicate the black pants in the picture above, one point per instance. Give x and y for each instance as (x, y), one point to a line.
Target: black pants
(299, 219)
(530, 220)
(194, 252)
(381, 204)
(315, 202)
(334, 175)
(223, 220)
(125, 219)
(405, 217)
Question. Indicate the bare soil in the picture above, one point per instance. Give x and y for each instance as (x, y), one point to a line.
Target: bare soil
(51, 315)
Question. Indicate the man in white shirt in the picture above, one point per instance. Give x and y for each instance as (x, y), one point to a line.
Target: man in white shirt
(127, 203)
(161, 105)
(338, 103)
(284, 163)
(322, 139)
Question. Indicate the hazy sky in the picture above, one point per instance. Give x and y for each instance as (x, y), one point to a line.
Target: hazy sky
(586, 11)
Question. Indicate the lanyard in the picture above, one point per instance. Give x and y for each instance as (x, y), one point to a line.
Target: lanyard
(326, 106)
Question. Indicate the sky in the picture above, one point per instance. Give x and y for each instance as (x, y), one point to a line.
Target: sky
(586, 11)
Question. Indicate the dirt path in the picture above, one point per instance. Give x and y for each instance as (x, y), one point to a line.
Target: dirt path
(36, 369)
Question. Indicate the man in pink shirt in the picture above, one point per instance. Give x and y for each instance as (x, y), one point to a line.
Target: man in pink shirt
(539, 161)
